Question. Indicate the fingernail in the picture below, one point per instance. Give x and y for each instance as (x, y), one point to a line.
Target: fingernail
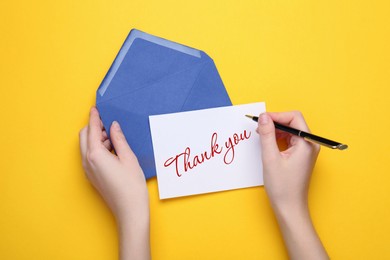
(263, 119)
(116, 125)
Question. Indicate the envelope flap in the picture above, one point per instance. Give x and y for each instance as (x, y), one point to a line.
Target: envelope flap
(208, 90)
(144, 59)
(174, 85)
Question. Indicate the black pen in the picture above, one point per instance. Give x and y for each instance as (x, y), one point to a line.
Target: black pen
(307, 136)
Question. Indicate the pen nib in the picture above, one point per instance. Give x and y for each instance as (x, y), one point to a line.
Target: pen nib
(342, 146)
(251, 117)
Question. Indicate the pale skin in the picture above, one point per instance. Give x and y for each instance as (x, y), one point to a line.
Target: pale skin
(286, 180)
(121, 182)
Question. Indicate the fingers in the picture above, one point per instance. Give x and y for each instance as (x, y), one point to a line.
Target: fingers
(120, 144)
(83, 135)
(104, 135)
(94, 129)
(294, 119)
(266, 129)
(83, 141)
(107, 144)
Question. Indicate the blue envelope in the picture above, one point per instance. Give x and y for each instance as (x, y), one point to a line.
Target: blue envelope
(152, 76)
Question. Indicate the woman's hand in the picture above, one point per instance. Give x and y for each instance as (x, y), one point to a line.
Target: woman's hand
(120, 181)
(286, 179)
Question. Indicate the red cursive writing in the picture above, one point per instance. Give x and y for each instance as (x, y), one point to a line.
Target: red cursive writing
(198, 159)
(183, 161)
(233, 141)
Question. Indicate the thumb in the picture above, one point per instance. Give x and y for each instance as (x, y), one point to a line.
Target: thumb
(119, 142)
(266, 130)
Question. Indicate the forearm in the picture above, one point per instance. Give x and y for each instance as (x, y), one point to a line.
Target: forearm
(298, 232)
(134, 242)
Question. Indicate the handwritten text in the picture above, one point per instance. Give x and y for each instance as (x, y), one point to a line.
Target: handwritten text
(185, 161)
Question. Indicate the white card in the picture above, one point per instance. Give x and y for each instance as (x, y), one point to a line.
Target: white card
(207, 150)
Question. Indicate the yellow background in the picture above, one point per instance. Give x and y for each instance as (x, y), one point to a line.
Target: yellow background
(329, 59)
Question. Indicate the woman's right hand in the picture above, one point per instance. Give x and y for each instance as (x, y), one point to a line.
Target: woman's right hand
(286, 179)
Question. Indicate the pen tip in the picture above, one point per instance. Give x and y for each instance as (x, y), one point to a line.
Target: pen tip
(251, 117)
(342, 146)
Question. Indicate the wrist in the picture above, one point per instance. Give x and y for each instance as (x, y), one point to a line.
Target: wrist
(292, 212)
(134, 242)
(293, 215)
(299, 234)
(135, 227)
(133, 211)
(133, 219)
